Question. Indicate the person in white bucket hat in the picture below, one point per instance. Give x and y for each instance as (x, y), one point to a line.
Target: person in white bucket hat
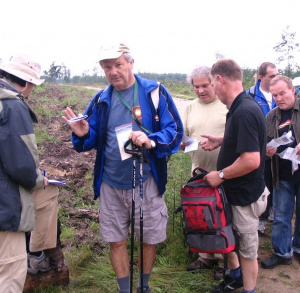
(24, 68)
(19, 168)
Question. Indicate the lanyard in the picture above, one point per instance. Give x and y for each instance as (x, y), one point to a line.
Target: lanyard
(136, 90)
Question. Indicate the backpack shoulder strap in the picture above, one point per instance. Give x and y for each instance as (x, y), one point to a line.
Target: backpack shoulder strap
(252, 91)
(95, 102)
(155, 96)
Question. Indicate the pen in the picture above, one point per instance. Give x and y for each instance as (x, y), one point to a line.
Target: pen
(76, 119)
(44, 173)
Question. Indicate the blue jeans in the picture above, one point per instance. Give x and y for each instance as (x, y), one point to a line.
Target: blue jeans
(283, 207)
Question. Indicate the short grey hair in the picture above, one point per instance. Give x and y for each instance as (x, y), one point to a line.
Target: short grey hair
(198, 71)
(283, 78)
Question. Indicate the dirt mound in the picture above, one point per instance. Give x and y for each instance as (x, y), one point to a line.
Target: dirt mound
(60, 160)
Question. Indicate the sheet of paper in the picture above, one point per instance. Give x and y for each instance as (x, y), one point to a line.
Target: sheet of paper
(122, 133)
(188, 139)
(56, 182)
(286, 138)
(191, 147)
(290, 154)
(193, 144)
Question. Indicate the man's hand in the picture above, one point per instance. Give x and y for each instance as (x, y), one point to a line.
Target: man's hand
(184, 144)
(80, 128)
(211, 143)
(46, 182)
(298, 149)
(213, 179)
(140, 139)
(270, 152)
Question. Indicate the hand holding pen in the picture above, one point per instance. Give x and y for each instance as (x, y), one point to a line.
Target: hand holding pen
(78, 125)
(45, 179)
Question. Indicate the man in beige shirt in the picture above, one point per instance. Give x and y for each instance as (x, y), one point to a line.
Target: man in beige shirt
(206, 114)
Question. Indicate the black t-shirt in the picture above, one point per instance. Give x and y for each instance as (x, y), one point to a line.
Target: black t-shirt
(285, 166)
(245, 131)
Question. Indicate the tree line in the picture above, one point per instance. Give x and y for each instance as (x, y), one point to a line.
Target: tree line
(287, 49)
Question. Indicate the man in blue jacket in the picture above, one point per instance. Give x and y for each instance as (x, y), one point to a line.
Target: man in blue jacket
(261, 91)
(262, 95)
(128, 109)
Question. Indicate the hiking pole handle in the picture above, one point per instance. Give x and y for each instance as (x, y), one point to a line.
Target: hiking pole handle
(133, 149)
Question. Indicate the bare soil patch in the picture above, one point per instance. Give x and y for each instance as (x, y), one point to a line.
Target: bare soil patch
(280, 279)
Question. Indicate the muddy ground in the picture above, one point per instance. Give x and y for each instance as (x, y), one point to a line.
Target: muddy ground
(63, 163)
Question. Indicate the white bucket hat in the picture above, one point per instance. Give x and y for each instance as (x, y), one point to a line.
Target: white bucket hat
(113, 51)
(25, 68)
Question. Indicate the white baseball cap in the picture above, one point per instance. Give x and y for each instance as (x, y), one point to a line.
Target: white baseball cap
(113, 51)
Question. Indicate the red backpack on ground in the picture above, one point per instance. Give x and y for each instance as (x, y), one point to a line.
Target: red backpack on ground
(207, 216)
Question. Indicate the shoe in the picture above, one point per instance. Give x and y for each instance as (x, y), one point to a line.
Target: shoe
(219, 274)
(297, 256)
(145, 290)
(197, 265)
(274, 261)
(38, 264)
(228, 285)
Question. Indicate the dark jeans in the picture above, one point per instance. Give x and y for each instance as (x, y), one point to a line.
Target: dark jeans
(268, 182)
(284, 207)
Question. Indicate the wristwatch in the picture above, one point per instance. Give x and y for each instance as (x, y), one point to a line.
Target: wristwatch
(221, 175)
(153, 144)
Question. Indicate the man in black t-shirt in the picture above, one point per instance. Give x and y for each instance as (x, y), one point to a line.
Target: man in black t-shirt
(286, 173)
(241, 171)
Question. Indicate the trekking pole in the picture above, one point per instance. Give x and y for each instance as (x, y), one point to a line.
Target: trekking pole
(132, 221)
(141, 160)
(130, 148)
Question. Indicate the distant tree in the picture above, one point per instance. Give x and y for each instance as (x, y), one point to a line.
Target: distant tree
(57, 73)
(248, 78)
(219, 56)
(288, 47)
(66, 74)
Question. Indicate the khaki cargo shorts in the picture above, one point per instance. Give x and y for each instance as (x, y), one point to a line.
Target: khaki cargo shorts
(245, 222)
(115, 213)
(13, 261)
(44, 235)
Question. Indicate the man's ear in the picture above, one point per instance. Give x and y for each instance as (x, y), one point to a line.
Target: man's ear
(220, 79)
(131, 63)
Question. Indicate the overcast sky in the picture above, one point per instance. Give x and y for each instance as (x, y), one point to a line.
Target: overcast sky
(165, 36)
